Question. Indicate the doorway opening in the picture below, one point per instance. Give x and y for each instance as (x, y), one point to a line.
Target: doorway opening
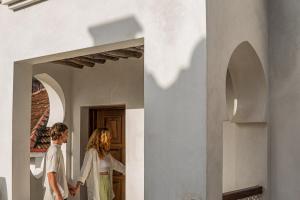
(110, 75)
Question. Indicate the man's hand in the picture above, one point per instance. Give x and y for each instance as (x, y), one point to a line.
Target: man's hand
(77, 188)
(59, 198)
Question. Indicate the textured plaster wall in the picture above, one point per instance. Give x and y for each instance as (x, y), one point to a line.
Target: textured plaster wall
(228, 24)
(284, 23)
(245, 156)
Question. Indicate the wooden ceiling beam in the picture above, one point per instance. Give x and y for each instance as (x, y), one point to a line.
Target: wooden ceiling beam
(104, 56)
(135, 49)
(82, 62)
(100, 58)
(125, 53)
(68, 63)
(115, 55)
(95, 60)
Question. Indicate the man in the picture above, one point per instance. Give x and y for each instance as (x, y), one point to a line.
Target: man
(57, 187)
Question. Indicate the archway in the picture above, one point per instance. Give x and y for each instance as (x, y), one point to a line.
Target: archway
(56, 98)
(47, 108)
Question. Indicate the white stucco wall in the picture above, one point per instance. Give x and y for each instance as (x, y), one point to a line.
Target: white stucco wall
(245, 156)
(229, 23)
(114, 83)
(284, 98)
(135, 154)
(175, 79)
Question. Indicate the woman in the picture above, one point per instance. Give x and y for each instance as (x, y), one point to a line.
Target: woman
(98, 166)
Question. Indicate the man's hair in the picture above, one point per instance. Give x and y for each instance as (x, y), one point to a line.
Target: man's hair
(57, 130)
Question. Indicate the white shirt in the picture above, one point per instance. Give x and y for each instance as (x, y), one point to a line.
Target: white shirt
(104, 164)
(90, 173)
(55, 163)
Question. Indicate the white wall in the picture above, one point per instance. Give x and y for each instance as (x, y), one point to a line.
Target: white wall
(245, 156)
(114, 83)
(229, 23)
(135, 154)
(22, 104)
(175, 77)
(284, 98)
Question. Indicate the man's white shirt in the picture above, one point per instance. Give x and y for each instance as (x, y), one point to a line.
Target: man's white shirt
(55, 163)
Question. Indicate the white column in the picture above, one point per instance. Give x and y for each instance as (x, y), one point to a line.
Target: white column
(22, 80)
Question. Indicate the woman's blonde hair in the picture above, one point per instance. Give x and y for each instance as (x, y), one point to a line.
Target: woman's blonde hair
(100, 140)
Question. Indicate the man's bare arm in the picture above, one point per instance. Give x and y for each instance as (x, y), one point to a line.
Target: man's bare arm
(53, 184)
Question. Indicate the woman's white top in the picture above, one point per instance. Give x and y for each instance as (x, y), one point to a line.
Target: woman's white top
(90, 173)
(104, 164)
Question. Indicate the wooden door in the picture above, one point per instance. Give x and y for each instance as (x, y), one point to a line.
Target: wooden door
(112, 118)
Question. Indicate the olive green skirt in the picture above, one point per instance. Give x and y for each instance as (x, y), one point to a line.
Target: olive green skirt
(105, 187)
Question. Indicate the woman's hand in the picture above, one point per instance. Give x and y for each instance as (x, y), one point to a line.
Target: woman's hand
(71, 189)
(77, 188)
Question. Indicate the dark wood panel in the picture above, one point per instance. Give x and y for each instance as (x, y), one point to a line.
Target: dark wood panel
(114, 124)
(243, 193)
(118, 188)
(113, 119)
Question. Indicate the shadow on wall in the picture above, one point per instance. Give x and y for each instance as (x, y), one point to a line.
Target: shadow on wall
(36, 188)
(110, 32)
(177, 131)
(120, 30)
(3, 189)
(176, 136)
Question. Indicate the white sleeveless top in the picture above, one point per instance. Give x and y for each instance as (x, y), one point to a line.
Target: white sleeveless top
(104, 164)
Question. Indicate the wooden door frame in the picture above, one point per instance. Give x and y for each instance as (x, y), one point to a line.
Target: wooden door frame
(104, 107)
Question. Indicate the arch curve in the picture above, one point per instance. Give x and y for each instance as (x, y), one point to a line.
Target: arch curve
(246, 86)
(56, 98)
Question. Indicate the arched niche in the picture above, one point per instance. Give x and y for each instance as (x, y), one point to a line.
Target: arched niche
(246, 86)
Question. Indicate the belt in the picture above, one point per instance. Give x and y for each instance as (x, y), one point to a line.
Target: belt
(104, 173)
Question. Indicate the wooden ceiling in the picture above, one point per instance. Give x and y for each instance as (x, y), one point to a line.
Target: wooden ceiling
(101, 58)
